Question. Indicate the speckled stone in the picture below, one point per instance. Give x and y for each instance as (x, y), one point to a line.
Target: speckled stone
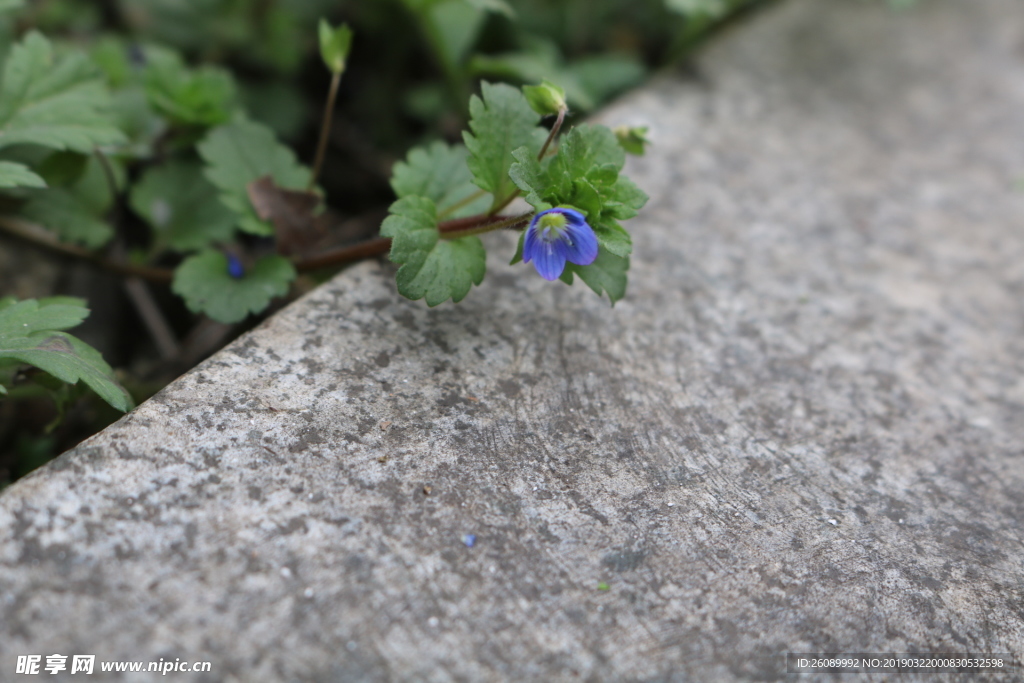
(803, 430)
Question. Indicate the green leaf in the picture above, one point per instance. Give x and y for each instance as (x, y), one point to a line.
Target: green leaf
(203, 282)
(501, 123)
(335, 44)
(76, 209)
(708, 8)
(11, 5)
(499, 6)
(432, 268)
(60, 210)
(624, 199)
(55, 103)
(519, 249)
(439, 172)
(633, 139)
(241, 152)
(30, 333)
(605, 275)
(199, 97)
(62, 168)
(531, 178)
(27, 317)
(588, 150)
(18, 175)
(452, 28)
(182, 206)
(612, 237)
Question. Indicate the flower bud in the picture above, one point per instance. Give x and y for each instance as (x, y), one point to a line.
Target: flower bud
(335, 44)
(546, 98)
(633, 139)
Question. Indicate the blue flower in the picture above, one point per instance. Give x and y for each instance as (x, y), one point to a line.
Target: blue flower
(556, 236)
(235, 268)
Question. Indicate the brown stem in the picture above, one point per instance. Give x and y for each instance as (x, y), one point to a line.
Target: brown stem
(342, 255)
(325, 129)
(554, 132)
(40, 236)
(154, 320)
(451, 230)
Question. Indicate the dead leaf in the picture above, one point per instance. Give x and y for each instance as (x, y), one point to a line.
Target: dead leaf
(292, 212)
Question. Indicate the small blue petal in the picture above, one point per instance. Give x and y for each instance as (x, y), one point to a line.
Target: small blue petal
(573, 215)
(549, 259)
(580, 244)
(235, 268)
(530, 242)
(469, 540)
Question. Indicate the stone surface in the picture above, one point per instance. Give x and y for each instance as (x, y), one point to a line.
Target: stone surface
(802, 431)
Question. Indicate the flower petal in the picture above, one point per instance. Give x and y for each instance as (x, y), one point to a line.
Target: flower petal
(580, 243)
(548, 259)
(531, 241)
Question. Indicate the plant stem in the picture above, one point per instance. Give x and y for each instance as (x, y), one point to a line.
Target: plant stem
(553, 134)
(453, 229)
(461, 203)
(40, 236)
(377, 246)
(464, 227)
(325, 130)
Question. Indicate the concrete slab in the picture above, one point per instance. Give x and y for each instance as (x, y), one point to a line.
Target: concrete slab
(802, 431)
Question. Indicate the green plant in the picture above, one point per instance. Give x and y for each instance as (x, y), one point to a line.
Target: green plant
(32, 333)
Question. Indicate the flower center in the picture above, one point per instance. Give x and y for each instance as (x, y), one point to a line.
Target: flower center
(551, 225)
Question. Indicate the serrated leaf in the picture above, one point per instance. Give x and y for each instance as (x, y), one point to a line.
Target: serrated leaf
(588, 149)
(585, 198)
(439, 172)
(51, 102)
(612, 237)
(624, 199)
(60, 210)
(531, 178)
(605, 275)
(182, 206)
(501, 122)
(27, 317)
(30, 333)
(205, 284)
(200, 97)
(241, 152)
(432, 268)
(18, 175)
